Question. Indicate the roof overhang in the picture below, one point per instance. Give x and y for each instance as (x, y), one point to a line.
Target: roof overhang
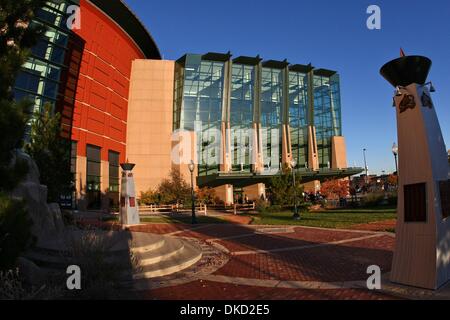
(215, 56)
(118, 11)
(301, 68)
(274, 64)
(324, 72)
(242, 179)
(251, 61)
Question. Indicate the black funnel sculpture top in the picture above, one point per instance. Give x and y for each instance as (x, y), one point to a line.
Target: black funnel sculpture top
(407, 70)
(127, 166)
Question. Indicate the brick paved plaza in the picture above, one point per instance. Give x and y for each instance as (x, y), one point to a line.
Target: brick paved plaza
(275, 263)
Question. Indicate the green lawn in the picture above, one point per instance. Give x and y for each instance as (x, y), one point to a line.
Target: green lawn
(339, 219)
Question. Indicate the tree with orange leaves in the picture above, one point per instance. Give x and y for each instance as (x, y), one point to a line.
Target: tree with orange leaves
(335, 189)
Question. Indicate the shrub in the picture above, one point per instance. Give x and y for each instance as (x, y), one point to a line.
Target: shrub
(12, 287)
(206, 196)
(262, 205)
(392, 198)
(174, 190)
(102, 273)
(335, 189)
(282, 189)
(373, 199)
(148, 198)
(15, 231)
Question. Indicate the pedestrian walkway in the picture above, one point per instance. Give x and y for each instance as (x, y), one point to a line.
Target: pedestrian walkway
(267, 262)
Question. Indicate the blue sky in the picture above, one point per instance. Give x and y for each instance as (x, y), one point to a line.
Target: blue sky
(328, 33)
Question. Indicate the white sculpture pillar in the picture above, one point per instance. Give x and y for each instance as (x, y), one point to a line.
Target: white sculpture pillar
(129, 211)
(422, 251)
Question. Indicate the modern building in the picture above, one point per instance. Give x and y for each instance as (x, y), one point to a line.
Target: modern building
(85, 74)
(242, 119)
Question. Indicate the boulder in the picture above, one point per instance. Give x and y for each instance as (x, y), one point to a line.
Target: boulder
(30, 273)
(33, 170)
(47, 219)
(35, 197)
(58, 221)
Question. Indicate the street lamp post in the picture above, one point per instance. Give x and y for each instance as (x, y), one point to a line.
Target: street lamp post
(296, 213)
(191, 169)
(395, 153)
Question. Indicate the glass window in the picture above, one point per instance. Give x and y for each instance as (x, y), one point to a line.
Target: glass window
(298, 116)
(200, 106)
(271, 113)
(93, 155)
(327, 115)
(241, 116)
(113, 158)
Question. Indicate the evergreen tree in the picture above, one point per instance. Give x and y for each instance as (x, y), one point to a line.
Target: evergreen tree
(282, 189)
(51, 153)
(17, 36)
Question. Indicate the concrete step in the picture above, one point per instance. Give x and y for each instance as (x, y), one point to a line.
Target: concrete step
(157, 255)
(59, 262)
(145, 242)
(185, 258)
(171, 248)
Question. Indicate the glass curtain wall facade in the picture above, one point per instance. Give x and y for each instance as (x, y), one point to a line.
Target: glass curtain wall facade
(201, 107)
(40, 78)
(213, 92)
(298, 116)
(241, 116)
(271, 116)
(327, 113)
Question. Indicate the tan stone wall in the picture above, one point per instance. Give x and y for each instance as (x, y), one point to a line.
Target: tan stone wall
(225, 193)
(150, 121)
(312, 186)
(255, 192)
(339, 153)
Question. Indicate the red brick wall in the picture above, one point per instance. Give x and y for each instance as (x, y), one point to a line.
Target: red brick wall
(101, 102)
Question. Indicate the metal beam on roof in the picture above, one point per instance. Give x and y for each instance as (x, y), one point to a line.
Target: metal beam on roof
(214, 56)
(324, 72)
(302, 68)
(275, 64)
(252, 61)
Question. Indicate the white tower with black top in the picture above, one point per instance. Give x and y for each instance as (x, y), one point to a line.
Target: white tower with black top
(422, 250)
(129, 210)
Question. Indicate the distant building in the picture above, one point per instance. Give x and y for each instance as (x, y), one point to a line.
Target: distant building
(119, 100)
